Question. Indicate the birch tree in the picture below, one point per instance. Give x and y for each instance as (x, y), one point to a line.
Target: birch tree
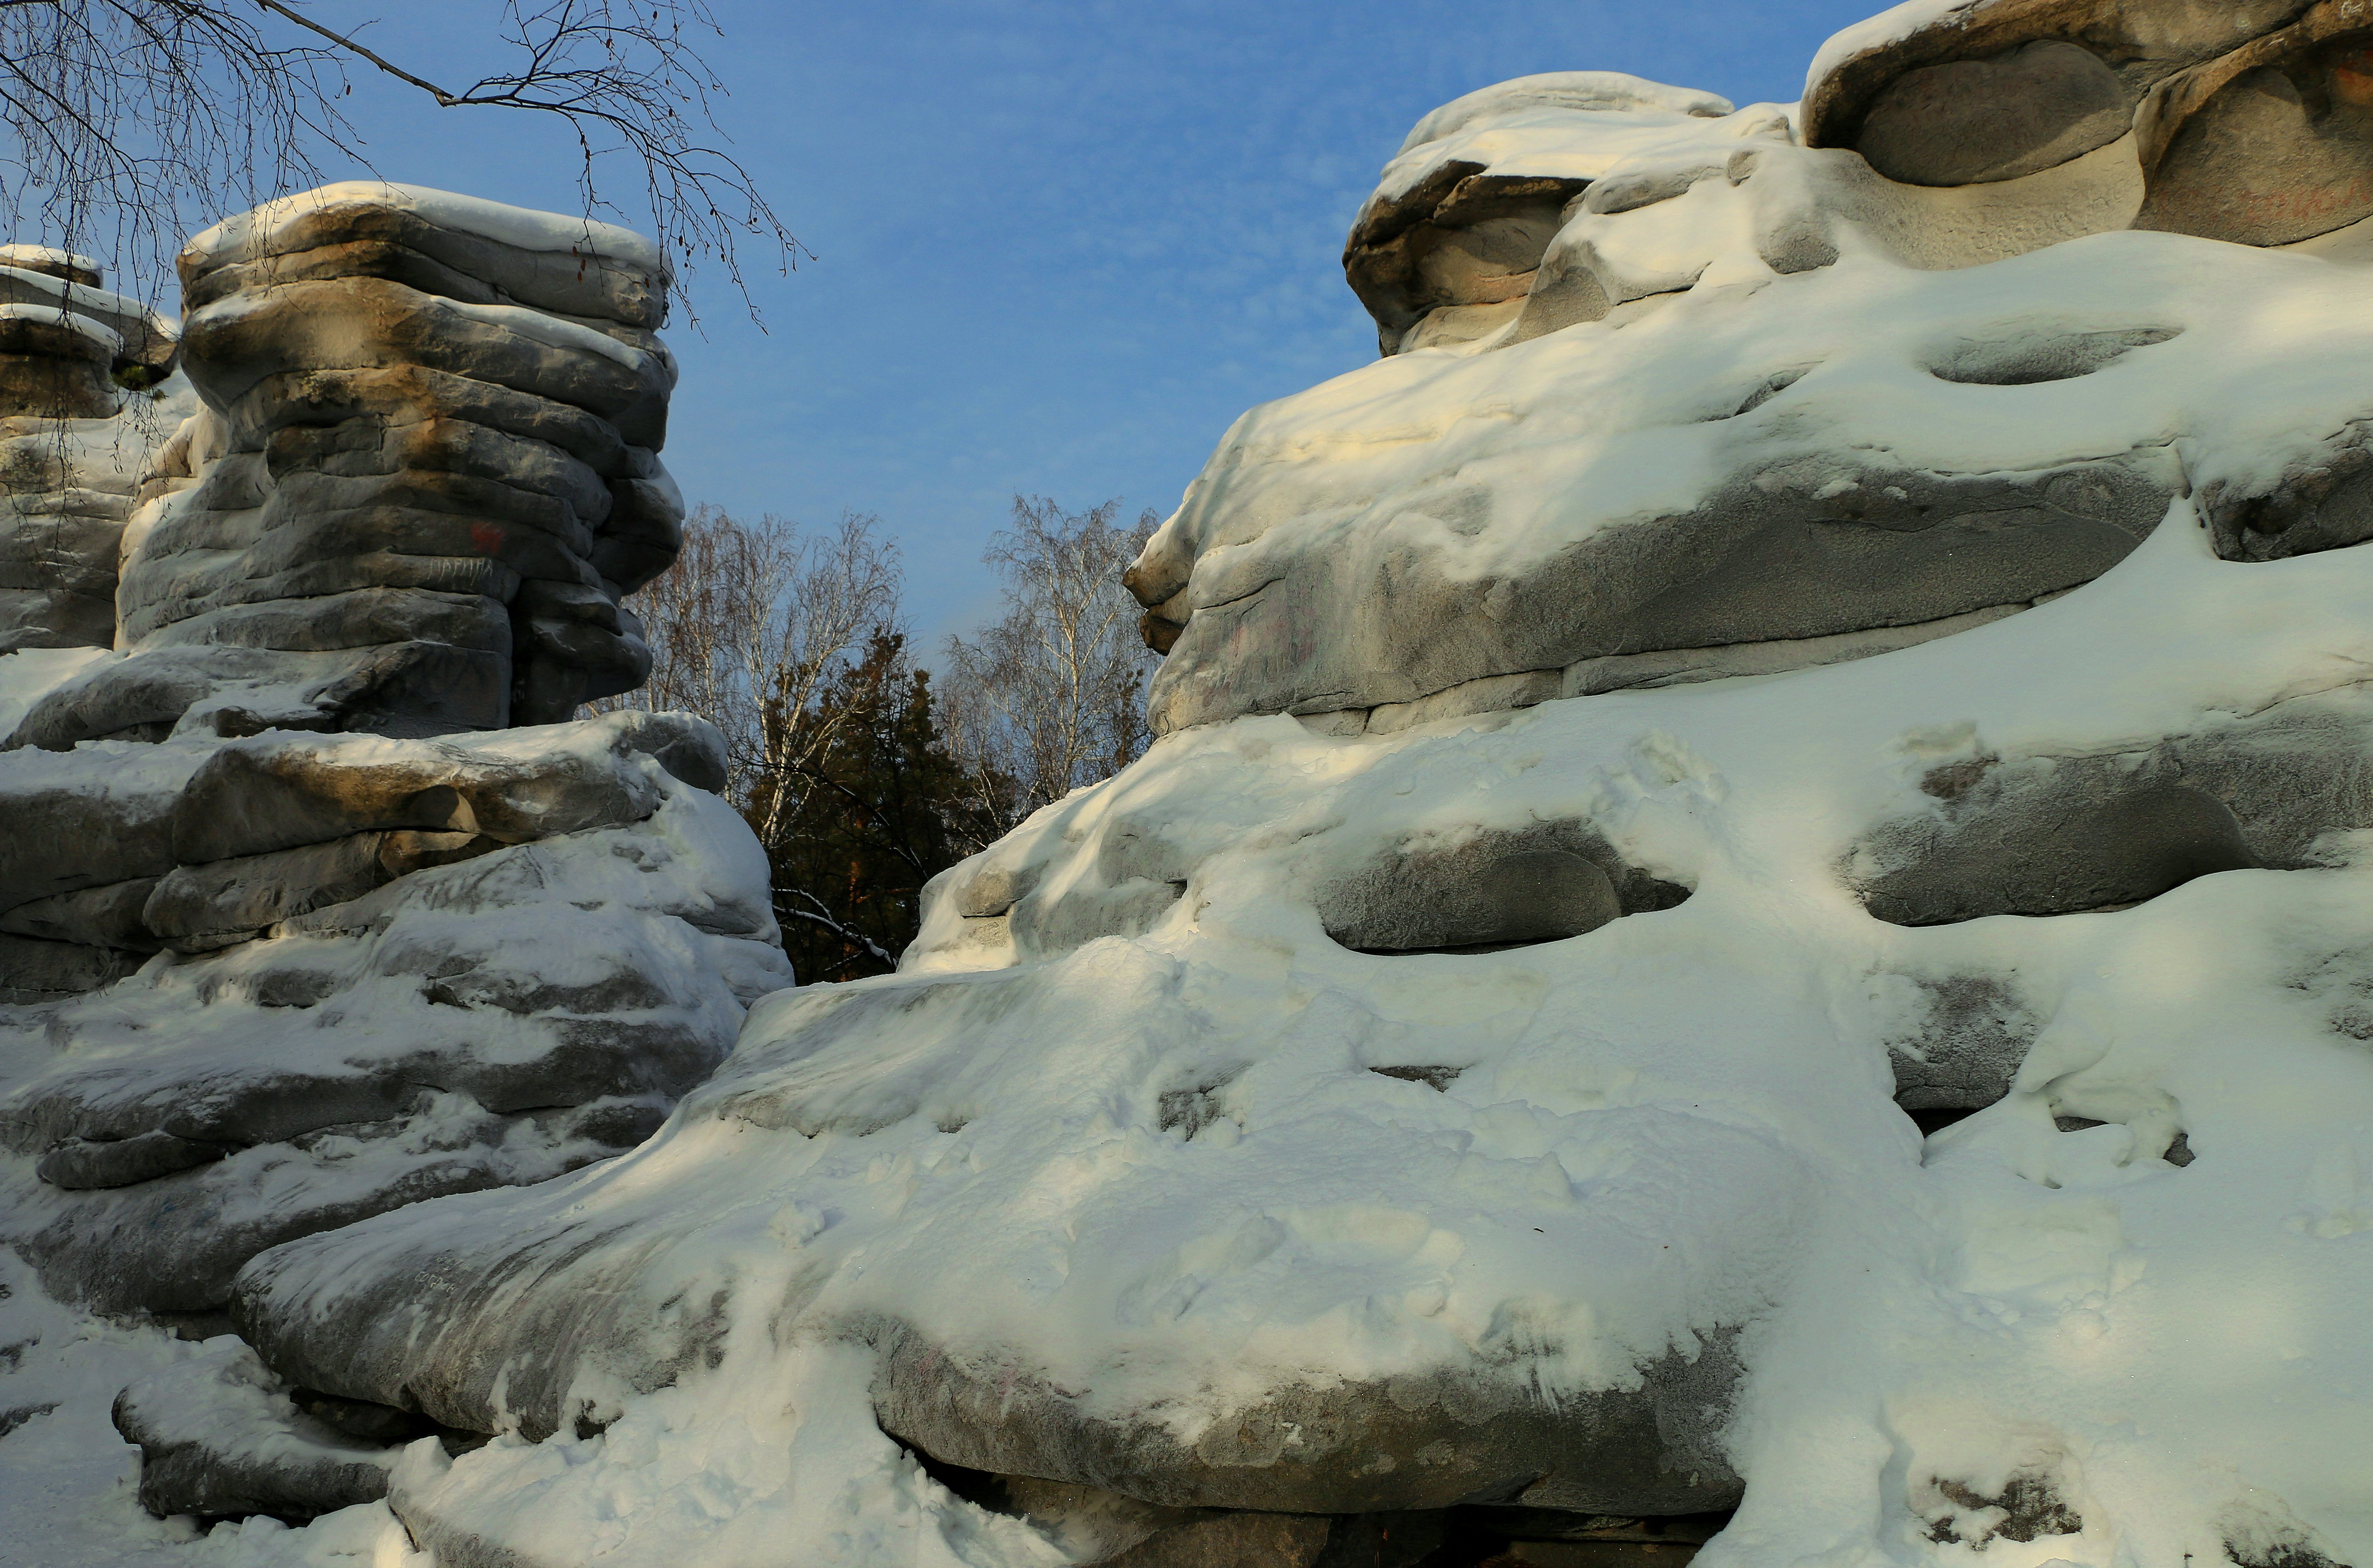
(1051, 696)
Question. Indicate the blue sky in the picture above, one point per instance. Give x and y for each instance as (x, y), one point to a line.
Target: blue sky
(1057, 246)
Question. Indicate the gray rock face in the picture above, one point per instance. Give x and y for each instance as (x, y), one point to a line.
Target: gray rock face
(189, 842)
(217, 1439)
(82, 1163)
(2029, 109)
(1993, 130)
(2142, 46)
(35, 971)
(96, 917)
(72, 446)
(1789, 554)
(2323, 504)
(135, 338)
(409, 886)
(197, 909)
(1555, 881)
(2056, 835)
(280, 792)
(2251, 118)
(434, 1332)
(98, 819)
(1414, 1444)
(1460, 237)
(1965, 1047)
(418, 492)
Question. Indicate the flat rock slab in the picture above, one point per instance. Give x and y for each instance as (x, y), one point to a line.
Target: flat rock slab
(219, 1438)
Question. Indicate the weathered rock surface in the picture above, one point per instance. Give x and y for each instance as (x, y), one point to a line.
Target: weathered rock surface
(2251, 118)
(1965, 1045)
(32, 969)
(191, 845)
(1551, 528)
(1553, 202)
(1456, 1099)
(1806, 551)
(397, 968)
(424, 479)
(218, 1439)
(2030, 107)
(72, 442)
(2053, 834)
(1551, 881)
(1412, 1443)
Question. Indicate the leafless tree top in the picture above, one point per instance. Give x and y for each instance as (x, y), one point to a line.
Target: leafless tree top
(131, 123)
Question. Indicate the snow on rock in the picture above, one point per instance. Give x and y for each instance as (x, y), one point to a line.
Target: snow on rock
(143, 338)
(217, 1439)
(55, 263)
(74, 443)
(1197, 1205)
(1406, 1088)
(462, 405)
(382, 969)
(280, 228)
(258, 976)
(1754, 896)
(1722, 421)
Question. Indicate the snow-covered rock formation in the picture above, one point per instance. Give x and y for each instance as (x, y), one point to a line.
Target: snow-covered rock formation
(294, 928)
(1754, 897)
(423, 478)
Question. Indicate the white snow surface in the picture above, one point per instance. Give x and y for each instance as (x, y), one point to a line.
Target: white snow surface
(1569, 134)
(249, 234)
(1598, 90)
(69, 1484)
(1482, 457)
(1497, 460)
(81, 299)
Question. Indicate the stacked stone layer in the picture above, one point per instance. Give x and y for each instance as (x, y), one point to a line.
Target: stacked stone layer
(72, 443)
(425, 478)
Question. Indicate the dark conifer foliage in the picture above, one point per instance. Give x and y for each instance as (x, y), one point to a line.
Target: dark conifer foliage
(862, 777)
(877, 814)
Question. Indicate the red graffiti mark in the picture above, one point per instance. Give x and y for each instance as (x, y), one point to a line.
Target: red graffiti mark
(487, 538)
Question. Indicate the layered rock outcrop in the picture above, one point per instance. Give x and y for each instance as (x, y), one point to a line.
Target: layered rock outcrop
(1888, 1056)
(317, 898)
(423, 479)
(298, 980)
(78, 423)
(1618, 509)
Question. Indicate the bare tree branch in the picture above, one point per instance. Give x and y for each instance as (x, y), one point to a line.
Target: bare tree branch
(819, 915)
(126, 124)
